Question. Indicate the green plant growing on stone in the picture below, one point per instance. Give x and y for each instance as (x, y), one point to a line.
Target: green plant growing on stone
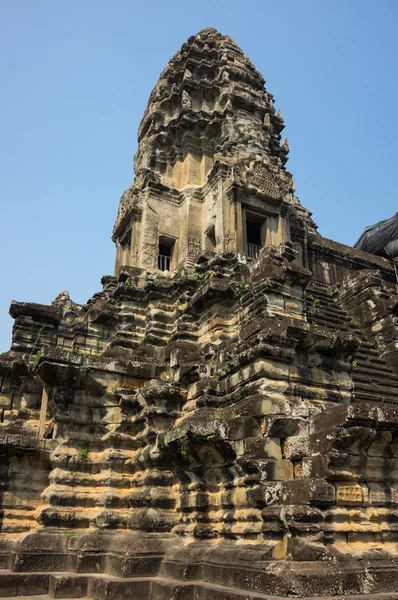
(353, 322)
(240, 289)
(37, 344)
(36, 357)
(354, 364)
(212, 274)
(198, 275)
(84, 452)
(220, 373)
(313, 309)
(98, 345)
(130, 283)
(142, 341)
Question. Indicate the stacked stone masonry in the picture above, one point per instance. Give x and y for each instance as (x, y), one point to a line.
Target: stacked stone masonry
(220, 421)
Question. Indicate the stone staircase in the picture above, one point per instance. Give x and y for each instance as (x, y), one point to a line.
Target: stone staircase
(373, 379)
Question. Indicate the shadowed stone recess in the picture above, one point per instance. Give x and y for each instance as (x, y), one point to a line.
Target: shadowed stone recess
(220, 421)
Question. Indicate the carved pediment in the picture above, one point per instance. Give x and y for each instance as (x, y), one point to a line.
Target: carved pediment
(261, 176)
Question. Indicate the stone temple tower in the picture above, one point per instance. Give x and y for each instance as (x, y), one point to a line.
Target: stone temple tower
(210, 166)
(220, 421)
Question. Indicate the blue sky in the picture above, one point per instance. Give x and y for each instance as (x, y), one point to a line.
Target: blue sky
(76, 76)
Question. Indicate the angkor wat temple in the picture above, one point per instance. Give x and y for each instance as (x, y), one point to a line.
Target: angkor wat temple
(219, 422)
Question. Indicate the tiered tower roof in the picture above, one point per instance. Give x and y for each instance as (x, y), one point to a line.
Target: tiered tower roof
(209, 100)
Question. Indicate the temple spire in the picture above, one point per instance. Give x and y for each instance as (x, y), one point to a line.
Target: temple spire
(209, 118)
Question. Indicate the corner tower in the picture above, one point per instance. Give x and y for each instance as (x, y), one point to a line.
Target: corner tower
(210, 165)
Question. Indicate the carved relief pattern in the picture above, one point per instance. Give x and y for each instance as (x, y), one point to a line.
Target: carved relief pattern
(125, 204)
(230, 240)
(194, 246)
(264, 180)
(134, 257)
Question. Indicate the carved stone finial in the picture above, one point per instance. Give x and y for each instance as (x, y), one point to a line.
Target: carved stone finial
(285, 145)
(62, 297)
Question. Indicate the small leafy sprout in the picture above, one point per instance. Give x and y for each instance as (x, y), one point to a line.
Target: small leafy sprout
(36, 357)
(212, 274)
(354, 364)
(198, 275)
(84, 452)
(98, 345)
(142, 341)
(240, 289)
(37, 344)
(354, 323)
(313, 309)
(315, 325)
(220, 373)
(130, 283)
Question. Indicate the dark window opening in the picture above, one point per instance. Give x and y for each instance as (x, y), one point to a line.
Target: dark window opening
(165, 254)
(253, 237)
(253, 231)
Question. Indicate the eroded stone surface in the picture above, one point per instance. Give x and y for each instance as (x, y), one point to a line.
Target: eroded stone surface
(222, 428)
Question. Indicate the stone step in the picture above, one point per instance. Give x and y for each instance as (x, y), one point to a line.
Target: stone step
(13, 526)
(364, 376)
(37, 597)
(375, 389)
(379, 366)
(373, 359)
(365, 396)
(376, 370)
(369, 348)
(22, 584)
(68, 585)
(327, 312)
(323, 306)
(327, 317)
(53, 585)
(326, 305)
